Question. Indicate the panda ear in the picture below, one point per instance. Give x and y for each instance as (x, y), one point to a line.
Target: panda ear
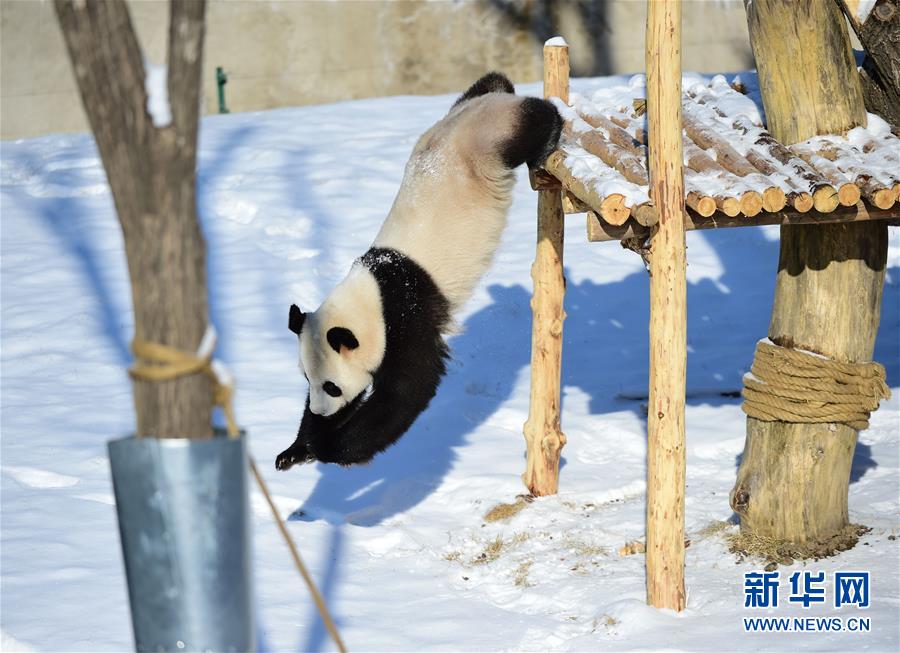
(296, 319)
(340, 337)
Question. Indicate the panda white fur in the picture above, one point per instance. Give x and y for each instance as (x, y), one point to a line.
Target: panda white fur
(374, 352)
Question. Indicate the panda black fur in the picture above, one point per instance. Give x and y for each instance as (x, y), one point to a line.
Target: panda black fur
(374, 352)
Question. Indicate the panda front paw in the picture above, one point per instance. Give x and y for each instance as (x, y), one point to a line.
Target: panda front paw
(292, 456)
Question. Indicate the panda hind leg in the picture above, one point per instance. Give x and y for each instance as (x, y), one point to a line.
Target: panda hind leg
(536, 134)
(493, 82)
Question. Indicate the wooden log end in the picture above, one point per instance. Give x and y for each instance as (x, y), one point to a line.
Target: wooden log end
(707, 206)
(773, 199)
(883, 198)
(848, 194)
(730, 206)
(897, 192)
(702, 204)
(600, 231)
(613, 209)
(751, 203)
(802, 202)
(645, 214)
(825, 199)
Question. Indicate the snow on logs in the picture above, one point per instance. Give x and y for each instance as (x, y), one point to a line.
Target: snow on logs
(732, 165)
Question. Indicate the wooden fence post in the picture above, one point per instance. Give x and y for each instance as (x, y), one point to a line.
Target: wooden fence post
(668, 315)
(543, 436)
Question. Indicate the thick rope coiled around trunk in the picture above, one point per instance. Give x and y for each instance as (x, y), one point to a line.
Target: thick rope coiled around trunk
(792, 385)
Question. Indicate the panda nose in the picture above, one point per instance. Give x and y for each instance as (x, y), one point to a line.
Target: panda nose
(331, 389)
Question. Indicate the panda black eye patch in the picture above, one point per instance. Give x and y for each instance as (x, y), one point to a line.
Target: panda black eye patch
(340, 337)
(331, 389)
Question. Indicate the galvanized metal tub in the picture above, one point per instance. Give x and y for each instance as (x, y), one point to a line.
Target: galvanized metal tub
(185, 532)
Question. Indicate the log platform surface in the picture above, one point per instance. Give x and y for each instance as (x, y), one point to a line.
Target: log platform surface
(736, 173)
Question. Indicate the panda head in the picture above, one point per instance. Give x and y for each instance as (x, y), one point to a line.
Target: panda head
(341, 343)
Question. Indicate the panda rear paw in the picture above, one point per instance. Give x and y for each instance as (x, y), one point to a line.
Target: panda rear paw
(292, 456)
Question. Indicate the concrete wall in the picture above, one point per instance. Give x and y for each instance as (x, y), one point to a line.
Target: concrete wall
(294, 52)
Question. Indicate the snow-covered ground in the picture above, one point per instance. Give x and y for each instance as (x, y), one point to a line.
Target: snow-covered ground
(288, 198)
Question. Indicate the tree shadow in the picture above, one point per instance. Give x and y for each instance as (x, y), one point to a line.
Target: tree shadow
(605, 355)
(212, 170)
(69, 219)
(605, 330)
(318, 634)
(862, 462)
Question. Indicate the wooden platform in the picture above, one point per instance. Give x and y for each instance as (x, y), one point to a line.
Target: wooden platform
(735, 174)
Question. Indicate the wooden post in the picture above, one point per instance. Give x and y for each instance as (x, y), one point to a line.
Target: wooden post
(793, 480)
(668, 315)
(543, 436)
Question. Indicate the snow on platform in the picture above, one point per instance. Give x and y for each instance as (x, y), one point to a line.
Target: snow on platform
(733, 166)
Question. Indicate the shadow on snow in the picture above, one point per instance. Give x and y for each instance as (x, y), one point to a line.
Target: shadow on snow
(605, 356)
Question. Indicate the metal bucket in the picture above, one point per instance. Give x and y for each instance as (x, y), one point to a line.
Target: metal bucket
(185, 532)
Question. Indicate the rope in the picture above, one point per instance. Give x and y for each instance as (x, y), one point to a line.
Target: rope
(792, 385)
(156, 362)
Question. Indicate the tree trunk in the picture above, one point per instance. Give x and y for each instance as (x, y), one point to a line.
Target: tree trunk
(793, 480)
(151, 172)
(807, 75)
(879, 33)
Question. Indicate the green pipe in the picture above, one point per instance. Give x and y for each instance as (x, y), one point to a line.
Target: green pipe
(221, 80)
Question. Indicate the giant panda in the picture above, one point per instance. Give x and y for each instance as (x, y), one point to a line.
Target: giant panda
(374, 352)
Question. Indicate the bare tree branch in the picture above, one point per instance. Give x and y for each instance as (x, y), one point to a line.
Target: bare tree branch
(186, 34)
(108, 66)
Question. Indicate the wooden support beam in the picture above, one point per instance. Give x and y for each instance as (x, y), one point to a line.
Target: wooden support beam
(668, 311)
(598, 231)
(543, 437)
